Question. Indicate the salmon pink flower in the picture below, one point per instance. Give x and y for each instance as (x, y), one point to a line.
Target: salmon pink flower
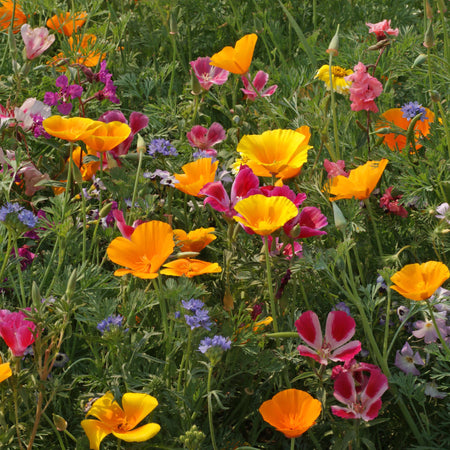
(206, 74)
(259, 83)
(36, 40)
(335, 168)
(362, 401)
(16, 330)
(381, 29)
(339, 329)
(364, 89)
(204, 138)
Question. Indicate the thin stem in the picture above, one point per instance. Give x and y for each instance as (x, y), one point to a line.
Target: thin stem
(438, 331)
(386, 325)
(136, 182)
(19, 274)
(6, 258)
(292, 443)
(334, 157)
(14, 382)
(273, 306)
(210, 415)
(375, 229)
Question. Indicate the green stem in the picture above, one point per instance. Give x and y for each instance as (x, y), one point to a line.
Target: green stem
(438, 331)
(334, 157)
(14, 382)
(136, 182)
(273, 306)
(386, 325)
(210, 415)
(19, 274)
(6, 258)
(292, 443)
(375, 229)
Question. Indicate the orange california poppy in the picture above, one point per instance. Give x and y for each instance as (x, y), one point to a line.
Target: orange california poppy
(6, 14)
(397, 141)
(144, 253)
(292, 412)
(278, 152)
(196, 175)
(87, 169)
(106, 136)
(236, 59)
(5, 371)
(264, 215)
(67, 23)
(195, 240)
(85, 51)
(70, 129)
(121, 421)
(360, 183)
(188, 267)
(420, 281)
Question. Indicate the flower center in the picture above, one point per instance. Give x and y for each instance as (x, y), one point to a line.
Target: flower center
(338, 71)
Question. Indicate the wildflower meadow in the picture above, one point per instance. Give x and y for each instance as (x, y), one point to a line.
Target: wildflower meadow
(224, 224)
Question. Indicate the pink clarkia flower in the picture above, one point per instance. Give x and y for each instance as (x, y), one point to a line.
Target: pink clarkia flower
(125, 230)
(425, 328)
(390, 203)
(364, 89)
(204, 138)
(360, 403)
(277, 248)
(339, 329)
(26, 257)
(335, 169)
(36, 40)
(356, 369)
(259, 83)
(406, 360)
(208, 75)
(381, 29)
(30, 110)
(217, 196)
(31, 176)
(16, 330)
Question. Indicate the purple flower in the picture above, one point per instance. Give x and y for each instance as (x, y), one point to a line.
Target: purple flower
(111, 323)
(218, 341)
(443, 212)
(411, 109)
(342, 306)
(61, 98)
(166, 178)
(208, 75)
(406, 360)
(432, 391)
(259, 82)
(25, 217)
(425, 328)
(200, 315)
(162, 146)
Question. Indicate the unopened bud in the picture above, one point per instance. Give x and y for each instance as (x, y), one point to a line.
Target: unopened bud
(429, 36)
(105, 210)
(140, 147)
(60, 422)
(380, 44)
(419, 60)
(435, 96)
(196, 87)
(71, 284)
(334, 44)
(339, 219)
(428, 10)
(228, 301)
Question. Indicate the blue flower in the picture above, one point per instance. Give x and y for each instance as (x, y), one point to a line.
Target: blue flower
(218, 341)
(162, 146)
(200, 316)
(26, 217)
(110, 323)
(411, 109)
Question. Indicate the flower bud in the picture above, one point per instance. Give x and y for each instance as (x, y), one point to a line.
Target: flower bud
(419, 60)
(429, 36)
(334, 44)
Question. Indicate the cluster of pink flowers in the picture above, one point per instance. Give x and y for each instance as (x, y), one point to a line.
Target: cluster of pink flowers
(391, 203)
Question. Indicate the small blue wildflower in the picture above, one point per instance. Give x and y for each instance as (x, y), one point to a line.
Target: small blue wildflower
(200, 316)
(342, 306)
(27, 218)
(221, 342)
(192, 305)
(9, 208)
(381, 282)
(110, 323)
(411, 109)
(162, 146)
(177, 314)
(166, 178)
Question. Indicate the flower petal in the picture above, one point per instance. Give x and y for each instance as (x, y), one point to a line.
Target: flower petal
(96, 431)
(308, 327)
(140, 434)
(340, 328)
(137, 406)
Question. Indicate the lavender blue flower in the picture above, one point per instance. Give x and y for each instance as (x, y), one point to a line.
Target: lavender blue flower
(25, 217)
(162, 146)
(9, 208)
(342, 306)
(200, 316)
(166, 178)
(110, 323)
(221, 342)
(411, 109)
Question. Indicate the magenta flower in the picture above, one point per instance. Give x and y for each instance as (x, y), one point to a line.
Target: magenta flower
(339, 329)
(356, 369)
(217, 196)
(362, 401)
(259, 82)
(308, 223)
(125, 230)
(390, 203)
(204, 138)
(26, 257)
(335, 169)
(16, 330)
(406, 360)
(278, 248)
(364, 89)
(381, 29)
(36, 40)
(208, 75)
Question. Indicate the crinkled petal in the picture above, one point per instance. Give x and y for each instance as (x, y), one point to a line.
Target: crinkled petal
(137, 406)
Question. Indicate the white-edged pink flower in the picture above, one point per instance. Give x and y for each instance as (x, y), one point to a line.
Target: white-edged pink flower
(30, 110)
(360, 403)
(406, 360)
(36, 40)
(205, 138)
(339, 329)
(335, 169)
(259, 83)
(125, 230)
(208, 75)
(381, 29)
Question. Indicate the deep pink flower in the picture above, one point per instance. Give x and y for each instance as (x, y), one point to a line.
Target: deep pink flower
(356, 369)
(309, 221)
(360, 403)
(217, 196)
(208, 75)
(406, 360)
(364, 89)
(277, 247)
(36, 40)
(339, 329)
(335, 169)
(380, 29)
(204, 138)
(16, 331)
(26, 257)
(126, 230)
(259, 82)
(390, 203)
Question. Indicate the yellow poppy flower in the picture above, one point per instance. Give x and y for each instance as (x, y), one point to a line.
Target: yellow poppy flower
(195, 240)
(187, 267)
(338, 75)
(70, 129)
(292, 412)
(236, 59)
(196, 175)
(420, 281)
(277, 152)
(67, 23)
(120, 421)
(5, 371)
(143, 254)
(106, 136)
(264, 215)
(359, 184)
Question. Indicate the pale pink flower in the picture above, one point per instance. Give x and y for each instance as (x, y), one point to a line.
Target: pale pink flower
(425, 328)
(205, 138)
(30, 110)
(406, 360)
(364, 89)
(31, 176)
(16, 330)
(259, 83)
(335, 169)
(36, 40)
(380, 29)
(208, 75)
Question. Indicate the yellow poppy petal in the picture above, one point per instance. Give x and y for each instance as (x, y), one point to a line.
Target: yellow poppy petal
(137, 406)
(5, 371)
(140, 434)
(96, 431)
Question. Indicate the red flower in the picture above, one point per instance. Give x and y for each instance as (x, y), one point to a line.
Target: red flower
(16, 330)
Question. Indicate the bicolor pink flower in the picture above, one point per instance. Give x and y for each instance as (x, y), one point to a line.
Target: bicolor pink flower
(360, 403)
(125, 230)
(339, 329)
(364, 89)
(356, 369)
(390, 203)
(36, 40)
(425, 328)
(208, 75)
(259, 83)
(277, 248)
(335, 169)
(218, 198)
(16, 330)
(381, 29)
(406, 360)
(205, 138)
(309, 222)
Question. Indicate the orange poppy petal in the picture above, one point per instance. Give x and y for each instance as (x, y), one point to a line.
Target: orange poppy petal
(107, 410)
(189, 268)
(69, 129)
(5, 371)
(196, 175)
(140, 434)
